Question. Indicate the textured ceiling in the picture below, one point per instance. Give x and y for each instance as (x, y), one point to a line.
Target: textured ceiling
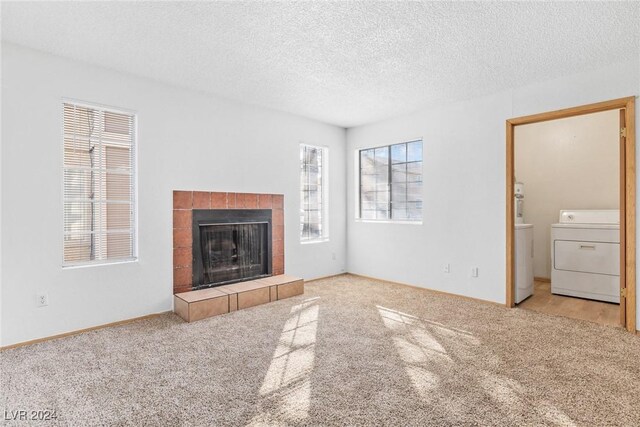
(345, 63)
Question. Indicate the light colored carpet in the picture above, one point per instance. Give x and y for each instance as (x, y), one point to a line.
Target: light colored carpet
(351, 351)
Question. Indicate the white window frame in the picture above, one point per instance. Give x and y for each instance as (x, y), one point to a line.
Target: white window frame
(358, 187)
(134, 172)
(324, 213)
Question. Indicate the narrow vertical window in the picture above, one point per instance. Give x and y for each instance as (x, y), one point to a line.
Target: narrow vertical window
(313, 176)
(99, 185)
(391, 182)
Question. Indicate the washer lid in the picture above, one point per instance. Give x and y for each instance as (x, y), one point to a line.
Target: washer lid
(590, 216)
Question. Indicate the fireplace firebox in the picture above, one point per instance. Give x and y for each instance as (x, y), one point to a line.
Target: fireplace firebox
(230, 245)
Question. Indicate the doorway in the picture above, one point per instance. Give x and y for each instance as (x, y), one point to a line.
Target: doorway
(626, 109)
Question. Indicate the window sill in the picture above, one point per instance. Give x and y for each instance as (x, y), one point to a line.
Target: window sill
(311, 242)
(388, 221)
(99, 264)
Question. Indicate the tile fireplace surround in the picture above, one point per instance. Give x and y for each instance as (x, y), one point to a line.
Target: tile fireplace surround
(185, 201)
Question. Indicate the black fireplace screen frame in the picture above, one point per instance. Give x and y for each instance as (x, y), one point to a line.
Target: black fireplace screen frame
(204, 217)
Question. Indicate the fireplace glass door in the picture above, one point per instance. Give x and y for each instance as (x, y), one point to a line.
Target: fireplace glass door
(232, 252)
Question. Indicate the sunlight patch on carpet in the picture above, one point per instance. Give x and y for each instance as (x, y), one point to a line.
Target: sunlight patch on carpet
(286, 388)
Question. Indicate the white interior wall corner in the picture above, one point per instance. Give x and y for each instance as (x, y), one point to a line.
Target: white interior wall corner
(464, 222)
(464, 203)
(187, 140)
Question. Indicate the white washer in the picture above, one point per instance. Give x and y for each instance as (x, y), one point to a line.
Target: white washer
(585, 255)
(524, 261)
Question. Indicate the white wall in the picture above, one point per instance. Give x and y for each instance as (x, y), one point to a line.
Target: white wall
(571, 163)
(464, 190)
(186, 140)
(190, 140)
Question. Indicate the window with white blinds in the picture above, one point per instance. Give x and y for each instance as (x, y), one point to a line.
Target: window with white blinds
(313, 193)
(99, 185)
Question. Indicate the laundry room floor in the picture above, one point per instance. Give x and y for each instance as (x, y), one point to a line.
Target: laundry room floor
(544, 301)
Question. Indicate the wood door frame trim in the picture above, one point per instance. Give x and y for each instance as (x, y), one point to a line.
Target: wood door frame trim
(627, 212)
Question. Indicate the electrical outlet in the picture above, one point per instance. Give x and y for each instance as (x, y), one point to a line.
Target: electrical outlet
(474, 272)
(446, 268)
(333, 256)
(42, 300)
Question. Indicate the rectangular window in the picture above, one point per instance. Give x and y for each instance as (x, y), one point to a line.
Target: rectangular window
(391, 182)
(313, 176)
(99, 185)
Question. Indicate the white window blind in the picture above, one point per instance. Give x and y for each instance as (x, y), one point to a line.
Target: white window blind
(99, 185)
(312, 193)
(391, 182)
